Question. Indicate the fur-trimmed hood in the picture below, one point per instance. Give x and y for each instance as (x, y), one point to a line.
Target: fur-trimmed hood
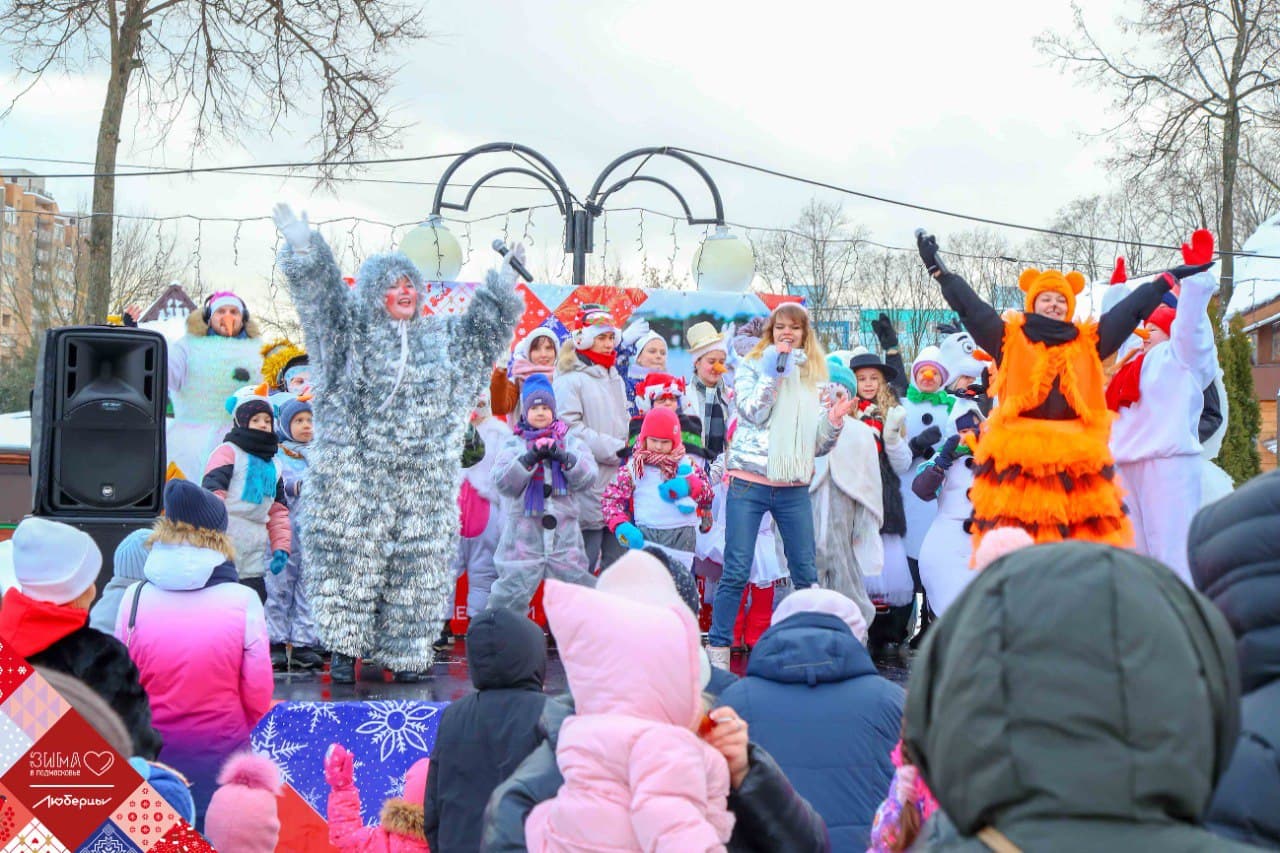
(402, 817)
(181, 533)
(198, 328)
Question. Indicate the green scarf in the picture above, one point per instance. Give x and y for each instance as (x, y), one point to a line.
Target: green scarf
(937, 398)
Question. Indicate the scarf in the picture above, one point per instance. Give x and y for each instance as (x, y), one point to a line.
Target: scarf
(937, 398)
(605, 360)
(1125, 388)
(667, 463)
(872, 417)
(793, 431)
(260, 479)
(522, 368)
(535, 493)
(712, 419)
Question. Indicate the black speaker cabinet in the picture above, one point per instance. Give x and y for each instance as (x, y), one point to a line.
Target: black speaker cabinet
(98, 423)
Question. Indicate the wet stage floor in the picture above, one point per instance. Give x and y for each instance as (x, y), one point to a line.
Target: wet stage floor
(449, 679)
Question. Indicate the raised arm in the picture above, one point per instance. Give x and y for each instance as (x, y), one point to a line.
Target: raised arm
(887, 336)
(981, 320)
(1131, 312)
(481, 336)
(320, 296)
(1191, 335)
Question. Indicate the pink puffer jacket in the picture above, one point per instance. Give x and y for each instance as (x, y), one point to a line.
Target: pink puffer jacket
(636, 777)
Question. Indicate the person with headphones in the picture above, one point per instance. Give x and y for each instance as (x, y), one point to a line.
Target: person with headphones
(219, 354)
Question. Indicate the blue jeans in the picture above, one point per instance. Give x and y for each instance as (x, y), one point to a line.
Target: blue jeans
(746, 505)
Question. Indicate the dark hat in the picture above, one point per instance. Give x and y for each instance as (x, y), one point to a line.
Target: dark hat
(870, 359)
(187, 503)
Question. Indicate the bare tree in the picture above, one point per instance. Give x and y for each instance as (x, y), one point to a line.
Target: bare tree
(231, 65)
(897, 284)
(816, 258)
(1124, 214)
(1195, 76)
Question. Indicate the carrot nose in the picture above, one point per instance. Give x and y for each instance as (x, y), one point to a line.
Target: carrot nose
(719, 368)
(982, 355)
(929, 374)
(1142, 333)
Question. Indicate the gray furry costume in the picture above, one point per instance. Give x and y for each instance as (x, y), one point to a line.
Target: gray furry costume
(381, 520)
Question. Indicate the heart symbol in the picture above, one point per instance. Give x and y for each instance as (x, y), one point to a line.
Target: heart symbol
(99, 762)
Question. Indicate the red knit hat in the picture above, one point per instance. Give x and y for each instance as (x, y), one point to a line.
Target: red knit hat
(659, 423)
(1162, 319)
(655, 386)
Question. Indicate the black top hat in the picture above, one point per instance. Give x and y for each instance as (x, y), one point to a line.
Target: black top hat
(870, 359)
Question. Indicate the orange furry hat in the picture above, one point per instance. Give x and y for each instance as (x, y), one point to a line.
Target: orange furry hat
(1033, 282)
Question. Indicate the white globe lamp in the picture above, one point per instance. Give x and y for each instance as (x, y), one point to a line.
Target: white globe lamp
(434, 250)
(724, 263)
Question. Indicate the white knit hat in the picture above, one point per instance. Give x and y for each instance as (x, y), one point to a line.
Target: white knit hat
(54, 562)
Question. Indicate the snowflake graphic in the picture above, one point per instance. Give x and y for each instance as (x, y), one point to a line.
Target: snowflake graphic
(318, 712)
(269, 740)
(396, 726)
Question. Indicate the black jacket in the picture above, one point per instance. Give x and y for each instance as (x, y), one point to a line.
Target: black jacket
(103, 663)
(769, 815)
(1075, 697)
(483, 737)
(1234, 553)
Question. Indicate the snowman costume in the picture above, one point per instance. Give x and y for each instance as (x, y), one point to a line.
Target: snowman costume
(924, 411)
(381, 522)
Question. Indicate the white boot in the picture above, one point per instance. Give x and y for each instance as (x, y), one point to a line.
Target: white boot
(719, 656)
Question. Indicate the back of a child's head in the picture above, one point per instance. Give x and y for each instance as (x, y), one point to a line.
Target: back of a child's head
(243, 815)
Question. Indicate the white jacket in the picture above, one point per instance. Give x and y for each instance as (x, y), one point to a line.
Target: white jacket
(1165, 420)
(593, 402)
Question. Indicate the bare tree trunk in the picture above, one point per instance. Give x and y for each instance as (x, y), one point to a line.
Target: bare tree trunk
(102, 223)
(1227, 218)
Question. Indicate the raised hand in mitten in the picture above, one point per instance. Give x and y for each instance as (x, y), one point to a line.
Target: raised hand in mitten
(633, 333)
(295, 230)
(1119, 275)
(279, 559)
(1196, 256)
(629, 536)
(339, 767)
(885, 333)
(927, 246)
(922, 444)
(507, 272)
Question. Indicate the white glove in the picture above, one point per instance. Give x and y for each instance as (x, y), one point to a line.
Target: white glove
(633, 333)
(895, 425)
(297, 232)
(798, 356)
(507, 272)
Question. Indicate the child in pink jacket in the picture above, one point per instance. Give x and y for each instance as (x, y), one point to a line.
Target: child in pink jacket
(400, 825)
(636, 776)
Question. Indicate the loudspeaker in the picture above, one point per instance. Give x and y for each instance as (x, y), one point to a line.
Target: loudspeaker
(98, 423)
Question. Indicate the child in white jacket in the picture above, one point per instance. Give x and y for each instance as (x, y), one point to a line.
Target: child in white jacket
(1157, 395)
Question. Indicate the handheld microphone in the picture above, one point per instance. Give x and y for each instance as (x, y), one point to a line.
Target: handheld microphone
(501, 248)
(783, 358)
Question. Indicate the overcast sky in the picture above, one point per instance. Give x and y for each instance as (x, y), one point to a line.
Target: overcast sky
(946, 104)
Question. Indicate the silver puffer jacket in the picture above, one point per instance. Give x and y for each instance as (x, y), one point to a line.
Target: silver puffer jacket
(754, 396)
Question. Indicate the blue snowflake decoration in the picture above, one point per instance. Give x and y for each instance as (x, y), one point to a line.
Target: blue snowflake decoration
(386, 738)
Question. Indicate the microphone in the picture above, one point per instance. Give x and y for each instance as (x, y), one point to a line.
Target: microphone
(783, 358)
(501, 248)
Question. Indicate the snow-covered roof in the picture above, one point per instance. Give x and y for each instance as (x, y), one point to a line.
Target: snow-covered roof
(1257, 280)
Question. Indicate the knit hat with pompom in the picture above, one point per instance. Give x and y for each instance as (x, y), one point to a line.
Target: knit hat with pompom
(243, 816)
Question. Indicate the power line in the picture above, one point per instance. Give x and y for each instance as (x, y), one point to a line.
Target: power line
(281, 175)
(941, 212)
(200, 170)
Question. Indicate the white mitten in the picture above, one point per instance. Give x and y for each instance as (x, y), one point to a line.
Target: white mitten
(508, 272)
(296, 231)
(633, 333)
(895, 426)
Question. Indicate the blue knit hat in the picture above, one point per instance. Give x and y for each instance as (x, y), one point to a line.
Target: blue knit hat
(537, 391)
(842, 375)
(131, 555)
(289, 409)
(187, 503)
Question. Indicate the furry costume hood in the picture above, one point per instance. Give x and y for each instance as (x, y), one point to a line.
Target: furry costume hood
(379, 272)
(402, 817)
(181, 533)
(198, 328)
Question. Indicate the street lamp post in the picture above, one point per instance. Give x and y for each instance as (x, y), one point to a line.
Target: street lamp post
(580, 217)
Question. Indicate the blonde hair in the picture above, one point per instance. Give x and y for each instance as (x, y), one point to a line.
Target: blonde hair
(814, 371)
(885, 399)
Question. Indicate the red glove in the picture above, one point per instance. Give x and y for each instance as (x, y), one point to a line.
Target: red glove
(1120, 275)
(1201, 249)
(339, 767)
